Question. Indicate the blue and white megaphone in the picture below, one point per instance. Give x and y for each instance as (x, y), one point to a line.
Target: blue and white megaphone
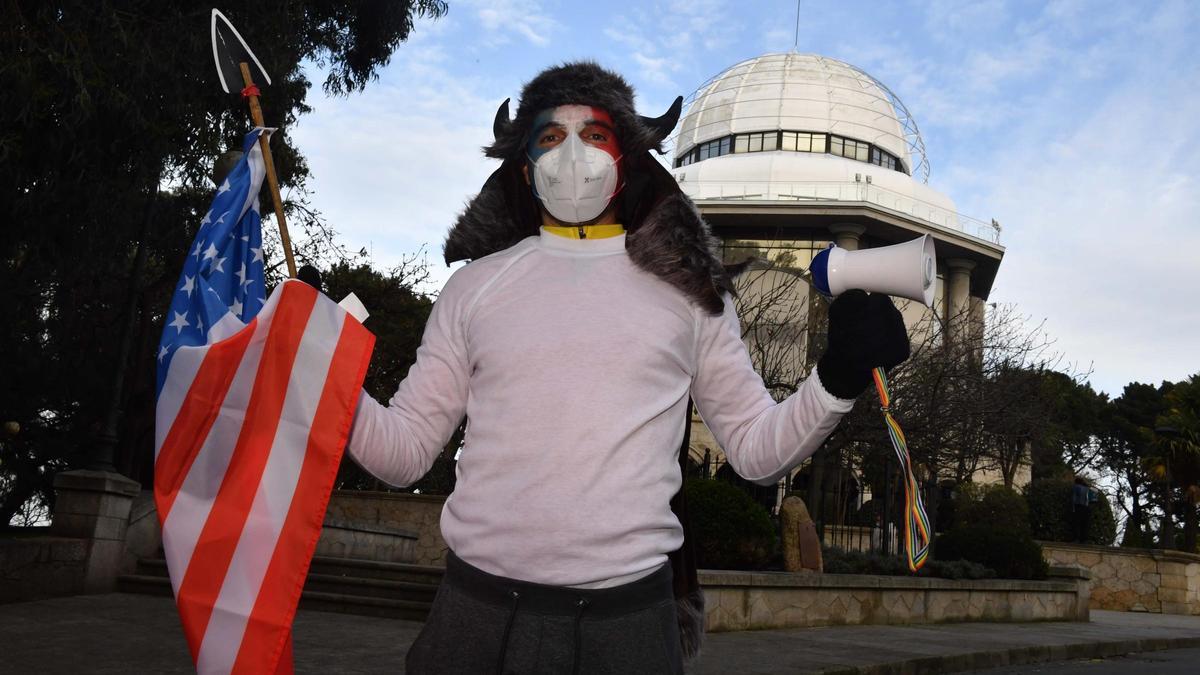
(907, 270)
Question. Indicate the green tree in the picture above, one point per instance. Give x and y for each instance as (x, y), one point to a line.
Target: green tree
(104, 104)
(1179, 425)
(1069, 437)
(1129, 422)
(1050, 513)
(398, 316)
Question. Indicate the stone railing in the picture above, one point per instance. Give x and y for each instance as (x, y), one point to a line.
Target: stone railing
(395, 512)
(1134, 579)
(761, 600)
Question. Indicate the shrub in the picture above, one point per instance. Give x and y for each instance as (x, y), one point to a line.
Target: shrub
(993, 530)
(957, 569)
(1011, 555)
(838, 561)
(732, 530)
(1050, 513)
(997, 506)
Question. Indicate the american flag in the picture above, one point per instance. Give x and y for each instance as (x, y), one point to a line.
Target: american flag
(221, 287)
(255, 402)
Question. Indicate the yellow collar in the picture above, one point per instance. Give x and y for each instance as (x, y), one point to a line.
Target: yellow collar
(585, 231)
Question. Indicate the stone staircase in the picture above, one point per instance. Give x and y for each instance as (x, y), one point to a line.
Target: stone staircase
(346, 585)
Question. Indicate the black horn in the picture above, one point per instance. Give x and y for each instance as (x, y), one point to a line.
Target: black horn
(502, 122)
(666, 122)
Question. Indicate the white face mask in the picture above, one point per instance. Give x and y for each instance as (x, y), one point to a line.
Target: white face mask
(575, 181)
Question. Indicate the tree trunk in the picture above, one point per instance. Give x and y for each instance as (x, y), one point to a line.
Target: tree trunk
(1166, 529)
(1009, 468)
(1137, 517)
(1189, 523)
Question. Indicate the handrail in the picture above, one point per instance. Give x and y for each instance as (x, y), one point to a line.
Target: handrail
(841, 191)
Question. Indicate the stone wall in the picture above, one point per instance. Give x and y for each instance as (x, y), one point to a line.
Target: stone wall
(34, 565)
(416, 514)
(762, 600)
(366, 542)
(1133, 579)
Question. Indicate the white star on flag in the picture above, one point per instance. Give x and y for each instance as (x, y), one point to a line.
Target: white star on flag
(257, 254)
(162, 353)
(222, 218)
(216, 264)
(207, 219)
(189, 284)
(241, 274)
(179, 323)
(236, 308)
(224, 188)
(196, 249)
(210, 252)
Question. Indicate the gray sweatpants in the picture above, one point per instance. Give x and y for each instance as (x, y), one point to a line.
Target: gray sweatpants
(482, 623)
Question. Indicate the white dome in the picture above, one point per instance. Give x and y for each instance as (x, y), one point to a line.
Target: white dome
(802, 92)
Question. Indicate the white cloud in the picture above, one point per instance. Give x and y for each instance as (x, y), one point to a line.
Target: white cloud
(1102, 234)
(1075, 128)
(524, 18)
(394, 165)
(655, 69)
(666, 39)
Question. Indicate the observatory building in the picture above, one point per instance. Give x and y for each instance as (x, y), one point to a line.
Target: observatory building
(786, 153)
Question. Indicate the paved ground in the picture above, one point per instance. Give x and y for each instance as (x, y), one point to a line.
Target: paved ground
(1173, 662)
(123, 633)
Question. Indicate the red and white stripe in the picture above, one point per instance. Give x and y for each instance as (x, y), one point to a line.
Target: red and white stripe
(250, 431)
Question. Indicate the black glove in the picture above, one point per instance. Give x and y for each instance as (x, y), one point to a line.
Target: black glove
(865, 331)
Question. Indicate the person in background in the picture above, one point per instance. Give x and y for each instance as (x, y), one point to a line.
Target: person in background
(1081, 508)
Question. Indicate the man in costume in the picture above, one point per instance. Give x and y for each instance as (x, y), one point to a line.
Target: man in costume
(595, 305)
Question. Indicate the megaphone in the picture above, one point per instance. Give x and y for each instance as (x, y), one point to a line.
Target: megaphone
(907, 270)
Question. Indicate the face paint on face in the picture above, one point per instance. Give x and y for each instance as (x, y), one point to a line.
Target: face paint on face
(574, 162)
(594, 126)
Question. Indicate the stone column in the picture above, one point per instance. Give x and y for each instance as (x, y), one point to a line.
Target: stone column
(94, 505)
(847, 236)
(958, 294)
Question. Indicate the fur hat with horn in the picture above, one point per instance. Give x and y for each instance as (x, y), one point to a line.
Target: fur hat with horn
(666, 236)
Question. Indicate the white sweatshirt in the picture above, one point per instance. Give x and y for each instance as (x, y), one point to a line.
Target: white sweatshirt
(573, 368)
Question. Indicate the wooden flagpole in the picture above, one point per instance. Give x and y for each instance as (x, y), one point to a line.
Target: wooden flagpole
(272, 180)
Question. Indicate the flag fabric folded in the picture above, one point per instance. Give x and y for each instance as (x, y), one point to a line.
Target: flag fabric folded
(255, 403)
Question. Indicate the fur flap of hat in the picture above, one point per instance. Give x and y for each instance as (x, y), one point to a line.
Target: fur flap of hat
(579, 83)
(672, 242)
(491, 221)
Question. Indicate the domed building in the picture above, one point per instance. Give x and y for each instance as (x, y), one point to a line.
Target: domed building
(784, 154)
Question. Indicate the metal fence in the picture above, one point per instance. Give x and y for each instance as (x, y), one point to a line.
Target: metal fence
(854, 507)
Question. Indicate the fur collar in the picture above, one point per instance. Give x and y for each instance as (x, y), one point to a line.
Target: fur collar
(671, 242)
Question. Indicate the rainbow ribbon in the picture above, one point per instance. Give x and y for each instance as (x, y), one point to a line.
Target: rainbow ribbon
(916, 522)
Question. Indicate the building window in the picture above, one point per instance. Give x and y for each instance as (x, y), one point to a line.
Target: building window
(792, 141)
(851, 149)
(883, 158)
(760, 142)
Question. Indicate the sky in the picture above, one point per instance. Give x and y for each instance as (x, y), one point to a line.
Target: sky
(1075, 124)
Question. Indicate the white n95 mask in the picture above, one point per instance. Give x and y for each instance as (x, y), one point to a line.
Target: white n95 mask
(575, 181)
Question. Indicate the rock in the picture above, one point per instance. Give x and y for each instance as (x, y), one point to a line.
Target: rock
(801, 547)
